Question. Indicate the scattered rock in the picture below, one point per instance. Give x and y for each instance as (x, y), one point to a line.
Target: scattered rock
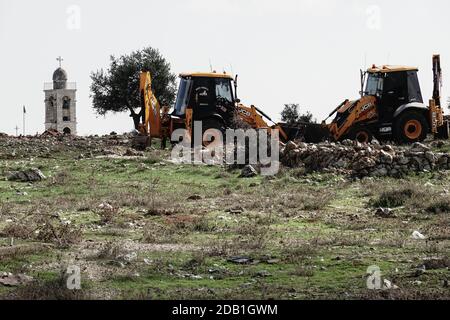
(418, 236)
(419, 271)
(388, 285)
(106, 207)
(263, 274)
(30, 175)
(273, 261)
(195, 197)
(248, 172)
(10, 280)
(133, 153)
(385, 213)
(419, 147)
(235, 210)
(240, 260)
(130, 257)
(417, 283)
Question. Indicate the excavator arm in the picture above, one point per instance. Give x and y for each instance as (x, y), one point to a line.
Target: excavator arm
(254, 117)
(155, 120)
(152, 110)
(440, 125)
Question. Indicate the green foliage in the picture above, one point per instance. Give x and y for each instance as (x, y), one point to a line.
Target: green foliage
(291, 114)
(117, 88)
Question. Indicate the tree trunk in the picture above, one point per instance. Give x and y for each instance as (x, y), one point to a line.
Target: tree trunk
(136, 118)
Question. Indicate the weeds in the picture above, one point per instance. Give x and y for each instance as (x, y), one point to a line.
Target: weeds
(55, 289)
(439, 206)
(51, 229)
(394, 198)
(111, 250)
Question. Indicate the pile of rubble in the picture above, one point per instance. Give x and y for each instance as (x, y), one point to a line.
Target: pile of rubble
(51, 144)
(364, 159)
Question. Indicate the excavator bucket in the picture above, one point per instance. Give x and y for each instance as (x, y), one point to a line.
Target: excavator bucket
(141, 142)
(306, 132)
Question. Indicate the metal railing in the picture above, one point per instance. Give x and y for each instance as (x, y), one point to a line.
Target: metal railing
(69, 86)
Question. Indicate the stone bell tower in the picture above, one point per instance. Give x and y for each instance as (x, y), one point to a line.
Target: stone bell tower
(60, 103)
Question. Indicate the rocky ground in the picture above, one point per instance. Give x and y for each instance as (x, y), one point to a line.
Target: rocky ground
(141, 227)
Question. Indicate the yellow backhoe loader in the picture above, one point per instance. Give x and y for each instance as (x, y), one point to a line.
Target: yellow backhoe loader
(206, 97)
(391, 107)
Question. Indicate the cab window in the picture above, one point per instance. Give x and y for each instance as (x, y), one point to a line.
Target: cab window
(223, 91)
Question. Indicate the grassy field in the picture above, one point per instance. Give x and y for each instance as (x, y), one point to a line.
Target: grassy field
(144, 228)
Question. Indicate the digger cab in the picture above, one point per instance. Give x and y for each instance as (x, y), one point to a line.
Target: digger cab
(394, 87)
(208, 95)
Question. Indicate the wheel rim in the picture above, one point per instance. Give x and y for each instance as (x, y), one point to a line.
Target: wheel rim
(413, 129)
(362, 137)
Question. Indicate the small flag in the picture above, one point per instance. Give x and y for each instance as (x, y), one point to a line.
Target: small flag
(24, 110)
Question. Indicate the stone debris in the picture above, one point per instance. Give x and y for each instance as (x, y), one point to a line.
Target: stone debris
(388, 285)
(106, 207)
(52, 133)
(362, 160)
(133, 153)
(51, 144)
(10, 280)
(240, 260)
(418, 236)
(128, 258)
(30, 175)
(235, 210)
(385, 213)
(248, 172)
(195, 197)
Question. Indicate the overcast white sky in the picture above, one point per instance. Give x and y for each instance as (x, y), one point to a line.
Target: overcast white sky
(286, 51)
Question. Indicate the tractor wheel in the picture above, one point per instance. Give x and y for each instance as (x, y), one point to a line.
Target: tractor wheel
(362, 135)
(212, 123)
(411, 127)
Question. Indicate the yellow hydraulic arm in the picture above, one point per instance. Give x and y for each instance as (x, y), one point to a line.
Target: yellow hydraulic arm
(152, 114)
(254, 118)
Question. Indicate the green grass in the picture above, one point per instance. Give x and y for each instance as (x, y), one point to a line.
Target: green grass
(320, 229)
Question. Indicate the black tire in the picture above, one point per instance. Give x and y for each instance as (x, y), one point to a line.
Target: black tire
(212, 123)
(410, 127)
(361, 134)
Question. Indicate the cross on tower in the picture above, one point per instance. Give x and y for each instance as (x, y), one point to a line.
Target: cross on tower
(60, 60)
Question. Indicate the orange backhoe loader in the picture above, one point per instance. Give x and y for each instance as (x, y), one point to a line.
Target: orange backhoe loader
(391, 107)
(206, 97)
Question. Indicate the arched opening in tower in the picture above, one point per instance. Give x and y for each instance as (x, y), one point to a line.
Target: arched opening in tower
(66, 109)
(67, 131)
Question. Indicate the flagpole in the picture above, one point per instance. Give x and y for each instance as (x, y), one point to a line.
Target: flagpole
(24, 112)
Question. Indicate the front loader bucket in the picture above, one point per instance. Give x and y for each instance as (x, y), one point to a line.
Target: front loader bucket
(141, 142)
(306, 132)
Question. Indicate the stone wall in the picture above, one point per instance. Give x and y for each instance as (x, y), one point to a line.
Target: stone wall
(364, 159)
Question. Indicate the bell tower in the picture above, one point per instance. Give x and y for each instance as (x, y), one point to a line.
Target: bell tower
(60, 103)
